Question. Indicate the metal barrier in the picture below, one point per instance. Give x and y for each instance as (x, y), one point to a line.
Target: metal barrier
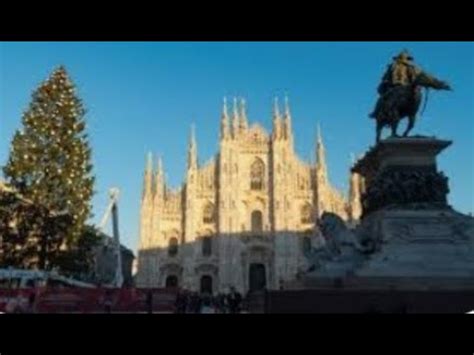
(99, 300)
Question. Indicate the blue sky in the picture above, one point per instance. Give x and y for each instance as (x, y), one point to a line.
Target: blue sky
(144, 96)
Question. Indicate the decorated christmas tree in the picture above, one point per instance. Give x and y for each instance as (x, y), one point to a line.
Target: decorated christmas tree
(49, 165)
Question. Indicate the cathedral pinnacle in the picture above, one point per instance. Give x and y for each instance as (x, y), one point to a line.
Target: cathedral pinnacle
(235, 118)
(287, 107)
(243, 114)
(149, 164)
(320, 153)
(159, 168)
(276, 109)
(159, 179)
(148, 179)
(224, 120)
(192, 150)
(224, 107)
(288, 130)
(276, 119)
(320, 141)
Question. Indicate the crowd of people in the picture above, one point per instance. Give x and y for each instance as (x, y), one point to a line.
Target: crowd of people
(186, 302)
(193, 302)
(21, 304)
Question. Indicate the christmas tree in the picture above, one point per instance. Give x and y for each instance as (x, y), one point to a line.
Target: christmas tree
(49, 165)
(30, 235)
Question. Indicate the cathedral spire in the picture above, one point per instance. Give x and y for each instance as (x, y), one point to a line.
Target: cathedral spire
(287, 107)
(165, 187)
(192, 150)
(224, 121)
(159, 173)
(159, 168)
(322, 184)
(320, 140)
(320, 155)
(148, 179)
(276, 109)
(288, 129)
(235, 119)
(159, 180)
(276, 119)
(243, 115)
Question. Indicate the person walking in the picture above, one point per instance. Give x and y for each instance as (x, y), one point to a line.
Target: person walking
(31, 303)
(234, 300)
(108, 302)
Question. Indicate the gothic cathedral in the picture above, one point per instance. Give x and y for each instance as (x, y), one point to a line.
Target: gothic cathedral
(246, 219)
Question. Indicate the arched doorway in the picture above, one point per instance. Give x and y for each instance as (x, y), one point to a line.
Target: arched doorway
(206, 284)
(171, 281)
(257, 277)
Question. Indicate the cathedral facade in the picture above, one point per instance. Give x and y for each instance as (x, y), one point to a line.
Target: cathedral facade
(245, 219)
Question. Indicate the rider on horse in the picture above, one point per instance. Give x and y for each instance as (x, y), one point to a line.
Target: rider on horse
(402, 72)
(401, 95)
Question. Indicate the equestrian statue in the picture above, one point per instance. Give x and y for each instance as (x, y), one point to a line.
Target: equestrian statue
(401, 95)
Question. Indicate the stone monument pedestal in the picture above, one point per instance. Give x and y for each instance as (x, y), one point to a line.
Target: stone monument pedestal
(416, 234)
(402, 172)
(413, 239)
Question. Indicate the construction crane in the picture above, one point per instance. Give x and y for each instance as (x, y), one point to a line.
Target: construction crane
(112, 209)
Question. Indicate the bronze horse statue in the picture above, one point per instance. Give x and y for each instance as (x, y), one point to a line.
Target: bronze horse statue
(404, 101)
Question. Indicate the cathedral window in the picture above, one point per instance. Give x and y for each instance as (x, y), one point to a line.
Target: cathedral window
(206, 246)
(257, 175)
(208, 215)
(173, 247)
(306, 213)
(257, 221)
